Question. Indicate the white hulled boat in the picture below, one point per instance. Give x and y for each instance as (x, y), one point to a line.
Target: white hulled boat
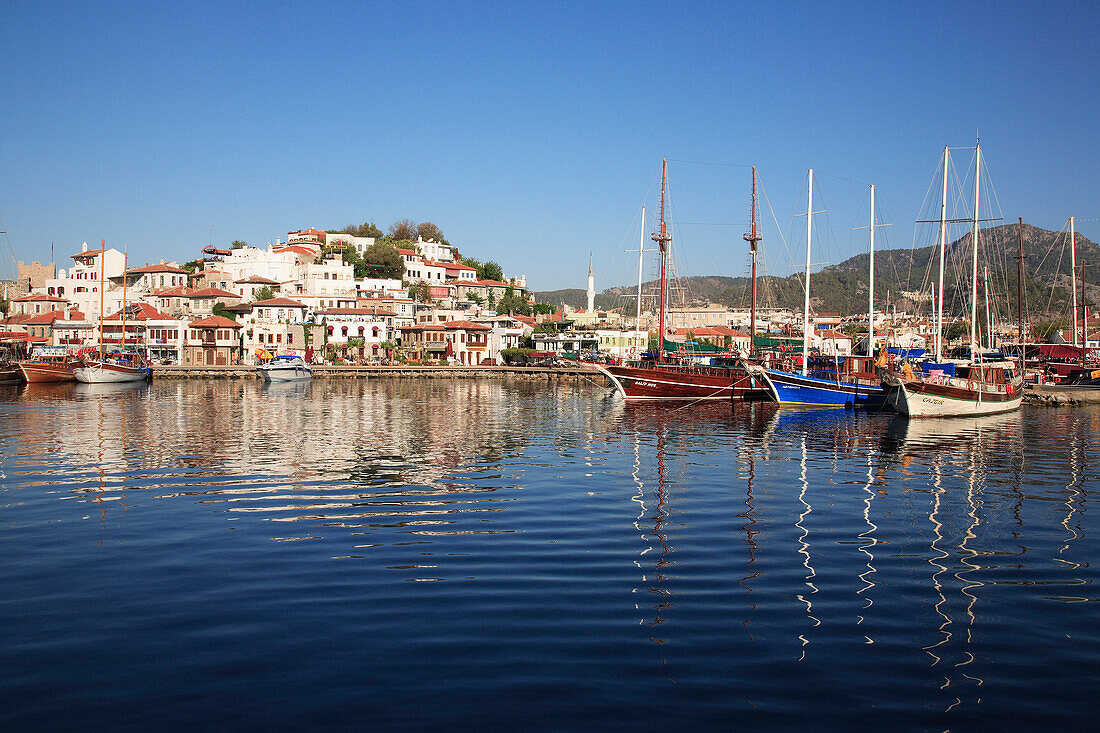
(285, 368)
(977, 387)
(117, 366)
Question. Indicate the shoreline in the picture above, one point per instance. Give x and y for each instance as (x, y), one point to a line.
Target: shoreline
(362, 372)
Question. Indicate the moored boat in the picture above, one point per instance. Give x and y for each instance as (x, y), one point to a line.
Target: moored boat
(49, 364)
(285, 368)
(974, 390)
(117, 366)
(112, 368)
(976, 387)
(828, 381)
(664, 380)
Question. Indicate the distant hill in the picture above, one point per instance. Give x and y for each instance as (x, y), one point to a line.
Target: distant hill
(843, 287)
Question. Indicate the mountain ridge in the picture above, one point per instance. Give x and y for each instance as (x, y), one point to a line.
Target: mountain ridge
(843, 287)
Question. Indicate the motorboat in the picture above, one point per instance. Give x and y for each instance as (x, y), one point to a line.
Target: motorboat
(285, 368)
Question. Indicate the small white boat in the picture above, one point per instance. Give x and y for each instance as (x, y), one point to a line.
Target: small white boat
(285, 368)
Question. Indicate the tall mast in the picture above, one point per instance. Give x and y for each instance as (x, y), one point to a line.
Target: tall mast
(943, 248)
(871, 287)
(102, 257)
(1020, 290)
(641, 249)
(806, 302)
(662, 239)
(1073, 276)
(124, 302)
(974, 255)
(753, 239)
(1084, 316)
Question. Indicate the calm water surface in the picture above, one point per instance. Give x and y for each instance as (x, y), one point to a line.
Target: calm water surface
(430, 553)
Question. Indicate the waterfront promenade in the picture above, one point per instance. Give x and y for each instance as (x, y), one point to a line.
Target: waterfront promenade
(581, 372)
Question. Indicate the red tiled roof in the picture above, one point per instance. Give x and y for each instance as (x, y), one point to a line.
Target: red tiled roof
(215, 322)
(48, 317)
(212, 293)
(297, 249)
(494, 283)
(256, 279)
(89, 253)
(412, 252)
(468, 325)
(279, 303)
(145, 312)
(157, 268)
(39, 298)
(456, 266)
(526, 319)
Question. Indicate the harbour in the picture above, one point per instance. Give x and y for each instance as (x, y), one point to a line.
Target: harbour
(413, 551)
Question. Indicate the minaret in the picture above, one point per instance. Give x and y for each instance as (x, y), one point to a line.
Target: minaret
(591, 287)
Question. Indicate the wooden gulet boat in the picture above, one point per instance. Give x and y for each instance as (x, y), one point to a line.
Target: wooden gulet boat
(49, 364)
(977, 388)
(663, 380)
(119, 366)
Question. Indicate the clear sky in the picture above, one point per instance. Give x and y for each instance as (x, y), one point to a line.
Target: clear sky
(531, 133)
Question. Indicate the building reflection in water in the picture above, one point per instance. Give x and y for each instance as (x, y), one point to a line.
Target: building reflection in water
(830, 508)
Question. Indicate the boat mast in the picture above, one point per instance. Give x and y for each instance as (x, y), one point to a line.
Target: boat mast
(124, 301)
(1084, 316)
(102, 257)
(871, 287)
(974, 255)
(1073, 276)
(943, 248)
(753, 239)
(1020, 290)
(662, 239)
(641, 249)
(806, 302)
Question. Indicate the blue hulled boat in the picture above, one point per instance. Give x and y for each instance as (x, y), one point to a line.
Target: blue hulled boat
(851, 383)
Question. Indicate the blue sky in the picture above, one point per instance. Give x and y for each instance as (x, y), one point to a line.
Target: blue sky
(531, 133)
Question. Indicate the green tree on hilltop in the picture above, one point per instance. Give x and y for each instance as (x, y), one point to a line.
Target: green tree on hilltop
(426, 230)
(366, 229)
(382, 259)
(489, 271)
(403, 230)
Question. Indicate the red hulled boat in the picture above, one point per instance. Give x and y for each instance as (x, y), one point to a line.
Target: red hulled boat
(664, 380)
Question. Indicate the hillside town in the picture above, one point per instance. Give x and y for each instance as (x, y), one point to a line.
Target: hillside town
(243, 305)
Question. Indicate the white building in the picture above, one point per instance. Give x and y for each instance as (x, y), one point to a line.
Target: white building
(623, 344)
(80, 284)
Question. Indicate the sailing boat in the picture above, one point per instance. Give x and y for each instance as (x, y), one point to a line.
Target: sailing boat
(977, 387)
(832, 381)
(665, 380)
(120, 365)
